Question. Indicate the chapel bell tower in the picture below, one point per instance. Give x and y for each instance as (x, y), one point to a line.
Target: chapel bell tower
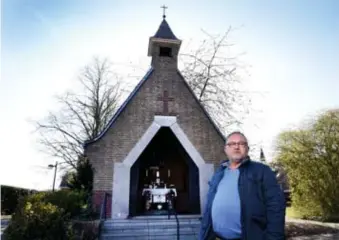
(164, 46)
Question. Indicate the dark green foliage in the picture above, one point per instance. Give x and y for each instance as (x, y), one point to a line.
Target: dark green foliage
(82, 180)
(72, 202)
(10, 197)
(82, 177)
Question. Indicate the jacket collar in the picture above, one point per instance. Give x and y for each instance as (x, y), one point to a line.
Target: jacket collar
(244, 162)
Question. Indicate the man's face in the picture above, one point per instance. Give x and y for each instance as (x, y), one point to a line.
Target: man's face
(236, 148)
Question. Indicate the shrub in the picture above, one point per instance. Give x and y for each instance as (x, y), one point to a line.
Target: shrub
(46, 215)
(72, 202)
(82, 178)
(36, 219)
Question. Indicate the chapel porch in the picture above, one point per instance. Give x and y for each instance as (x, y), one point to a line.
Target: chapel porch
(164, 167)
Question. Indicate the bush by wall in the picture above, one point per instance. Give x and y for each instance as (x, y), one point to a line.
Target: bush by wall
(46, 216)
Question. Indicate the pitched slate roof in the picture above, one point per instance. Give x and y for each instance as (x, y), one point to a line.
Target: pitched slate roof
(134, 92)
(165, 31)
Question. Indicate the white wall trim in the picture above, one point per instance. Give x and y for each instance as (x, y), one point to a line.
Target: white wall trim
(121, 172)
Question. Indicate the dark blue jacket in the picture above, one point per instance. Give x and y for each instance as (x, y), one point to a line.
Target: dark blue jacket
(262, 203)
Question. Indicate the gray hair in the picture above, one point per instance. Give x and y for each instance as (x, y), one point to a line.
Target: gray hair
(236, 133)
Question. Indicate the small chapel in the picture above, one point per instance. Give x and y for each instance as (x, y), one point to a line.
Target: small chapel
(160, 140)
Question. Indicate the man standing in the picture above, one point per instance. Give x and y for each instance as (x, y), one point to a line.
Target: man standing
(244, 200)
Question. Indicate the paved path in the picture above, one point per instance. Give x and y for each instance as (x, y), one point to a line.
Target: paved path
(329, 236)
(327, 224)
(318, 237)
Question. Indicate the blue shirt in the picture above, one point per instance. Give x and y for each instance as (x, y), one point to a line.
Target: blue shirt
(226, 206)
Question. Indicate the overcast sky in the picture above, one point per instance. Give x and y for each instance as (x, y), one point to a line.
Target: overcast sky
(291, 46)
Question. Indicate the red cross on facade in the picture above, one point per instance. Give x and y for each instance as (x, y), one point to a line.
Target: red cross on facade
(165, 99)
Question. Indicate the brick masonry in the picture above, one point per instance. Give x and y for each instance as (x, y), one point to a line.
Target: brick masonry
(98, 199)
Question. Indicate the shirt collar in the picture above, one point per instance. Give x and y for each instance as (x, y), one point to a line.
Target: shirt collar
(227, 163)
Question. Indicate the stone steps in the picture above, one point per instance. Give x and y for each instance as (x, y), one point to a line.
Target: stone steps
(158, 227)
(191, 237)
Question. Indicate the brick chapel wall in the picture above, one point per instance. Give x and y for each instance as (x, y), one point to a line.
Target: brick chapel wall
(138, 116)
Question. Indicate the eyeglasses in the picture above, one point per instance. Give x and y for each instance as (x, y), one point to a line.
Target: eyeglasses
(233, 144)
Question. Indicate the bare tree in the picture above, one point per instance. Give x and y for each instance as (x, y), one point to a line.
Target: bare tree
(82, 115)
(213, 74)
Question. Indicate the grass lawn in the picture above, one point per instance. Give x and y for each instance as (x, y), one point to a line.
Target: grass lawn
(295, 229)
(291, 213)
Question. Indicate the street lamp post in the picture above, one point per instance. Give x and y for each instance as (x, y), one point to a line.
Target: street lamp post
(55, 171)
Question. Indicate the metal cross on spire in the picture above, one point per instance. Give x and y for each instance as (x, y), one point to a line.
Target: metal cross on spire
(164, 11)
